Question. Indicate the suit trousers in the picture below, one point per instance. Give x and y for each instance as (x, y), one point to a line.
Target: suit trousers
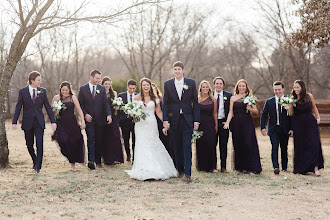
(38, 132)
(95, 136)
(127, 129)
(279, 138)
(222, 138)
(181, 139)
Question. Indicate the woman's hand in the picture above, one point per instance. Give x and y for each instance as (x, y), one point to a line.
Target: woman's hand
(318, 120)
(226, 126)
(117, 107)
(249, 108)
(83, 125)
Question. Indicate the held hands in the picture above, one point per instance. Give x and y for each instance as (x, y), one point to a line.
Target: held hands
(264, 132)
(291, 133)
(109, 119)
(226, 126)
(14, 126)
(53, 126)
(88, 118)
(166, 126)
(196, 125)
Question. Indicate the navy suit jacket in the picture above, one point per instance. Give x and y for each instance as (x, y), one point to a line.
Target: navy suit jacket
(225, 102)
(188, 103)
(270, 110)
(30, 110)
(123, 95)
(98, 108)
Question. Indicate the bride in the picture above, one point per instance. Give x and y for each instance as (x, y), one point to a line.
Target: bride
(151, 159)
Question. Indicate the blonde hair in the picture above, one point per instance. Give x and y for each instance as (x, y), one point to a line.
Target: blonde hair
(210, 93)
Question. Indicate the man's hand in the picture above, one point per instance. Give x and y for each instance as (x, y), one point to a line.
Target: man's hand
(53, 126)
(165, 131)
(14, 126)
(196, 125)
(264, 132)
(166, 125)
(291, 133)
(88, 118)
(109, 119)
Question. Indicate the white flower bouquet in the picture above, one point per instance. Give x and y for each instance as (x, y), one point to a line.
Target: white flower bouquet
(58, 106)
(250, 100)
(196, 135)
(117, 102)
(135, 111)
(287, 100)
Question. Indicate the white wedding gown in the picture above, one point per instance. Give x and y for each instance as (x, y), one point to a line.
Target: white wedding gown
(151, 159)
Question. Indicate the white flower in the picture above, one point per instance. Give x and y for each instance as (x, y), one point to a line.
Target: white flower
(225, 98)
(185, 87)
(97, 91)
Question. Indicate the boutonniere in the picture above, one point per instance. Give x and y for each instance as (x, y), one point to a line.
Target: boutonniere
(97, 91)
(185, 86)
(225, 98)
(39, 92)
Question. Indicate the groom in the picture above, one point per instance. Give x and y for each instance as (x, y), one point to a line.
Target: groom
(96, 108)
(279, 126)
(181, 116)
(33, 98)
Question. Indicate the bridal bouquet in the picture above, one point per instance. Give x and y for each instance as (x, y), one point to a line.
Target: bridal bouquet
(287, 100)
(250, 100)
(58, 106)
(135, 111)
(117, 102)
(196, 135)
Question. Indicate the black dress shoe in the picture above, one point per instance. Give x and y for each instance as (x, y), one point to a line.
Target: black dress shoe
(37, 170)
(188, 179)
(276, 171)
(91, 165)
(180, 175)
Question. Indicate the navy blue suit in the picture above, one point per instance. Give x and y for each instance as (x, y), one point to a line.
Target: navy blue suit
(181, 125)
(223, 134)
(127, 127)
(33, 122)
(278, 134)
(99, 108)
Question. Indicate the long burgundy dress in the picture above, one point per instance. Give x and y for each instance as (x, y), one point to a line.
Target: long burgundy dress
(68, 134)
(306, 139)
(113, 151)
(246, 156)
(206, 145)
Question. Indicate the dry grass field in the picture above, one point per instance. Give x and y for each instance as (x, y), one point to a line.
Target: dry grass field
(108, 193)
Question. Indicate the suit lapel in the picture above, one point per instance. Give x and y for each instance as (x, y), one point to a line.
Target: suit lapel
(27, 91)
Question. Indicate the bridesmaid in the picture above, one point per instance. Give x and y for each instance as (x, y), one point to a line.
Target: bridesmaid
(306, 137)
(246, 150)
(113, 151)
(206, 145)
(68, 132)
(165, 139)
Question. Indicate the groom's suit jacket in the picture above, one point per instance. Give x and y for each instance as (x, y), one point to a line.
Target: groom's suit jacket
(270, 109)
(188, 103)
(98, 107)
(32, 110)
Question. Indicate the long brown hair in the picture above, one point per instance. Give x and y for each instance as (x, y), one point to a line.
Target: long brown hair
(151, 92)
(157, 92)
(303, 95)
(247, 91)
(107, 78)
(67, 84)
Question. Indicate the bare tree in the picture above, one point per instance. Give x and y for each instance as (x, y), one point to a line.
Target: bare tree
(31, 19)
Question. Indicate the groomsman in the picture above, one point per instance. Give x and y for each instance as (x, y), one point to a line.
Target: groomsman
(33, 98)
(96, 108)
(125, 122)
(279, 126)
(223, 101)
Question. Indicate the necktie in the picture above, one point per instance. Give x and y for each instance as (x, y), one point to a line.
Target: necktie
(131, 97)
(218, 103)
(279, 110)
(34, 96)
(93, 92)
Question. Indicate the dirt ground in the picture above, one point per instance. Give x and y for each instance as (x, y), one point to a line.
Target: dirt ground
(108, 193)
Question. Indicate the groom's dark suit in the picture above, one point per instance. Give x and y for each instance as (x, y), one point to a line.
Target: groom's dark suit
(181, 114)
(279, 134)
(99, 108)
(33, 122)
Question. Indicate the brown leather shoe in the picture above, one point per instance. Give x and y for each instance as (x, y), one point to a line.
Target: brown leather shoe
(223, 170)
(276, 171)
(188, 179)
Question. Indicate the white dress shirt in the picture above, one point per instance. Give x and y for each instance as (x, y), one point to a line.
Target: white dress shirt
(221, 113)
(91, 87)
(31, 91)
(276, 104)
(128, 97)
(179, 87)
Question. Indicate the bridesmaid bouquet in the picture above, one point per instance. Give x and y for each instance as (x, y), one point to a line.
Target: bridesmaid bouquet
(58, 106)
(250, 100)
(196, 135)
(134, 110)
(117, 103)
(287, 100)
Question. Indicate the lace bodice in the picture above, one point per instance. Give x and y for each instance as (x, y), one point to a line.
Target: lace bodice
(149, 107)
